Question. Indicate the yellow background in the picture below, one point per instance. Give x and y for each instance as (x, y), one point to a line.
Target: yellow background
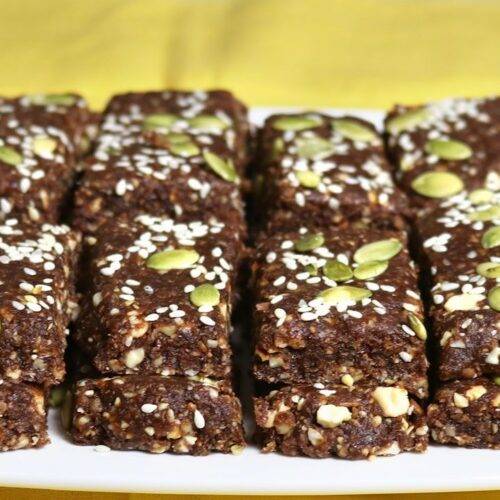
(358, 53)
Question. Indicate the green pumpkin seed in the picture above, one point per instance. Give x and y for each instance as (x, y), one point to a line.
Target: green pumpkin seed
(54, 99)
(487, 214)
(448, 149)
(408, 120)
(489, 269)
(378, 250)
(337, 271)
(491, 238)
(313, 147)
(205, 295)
(417, 326)
(308, 179)
(66, 412)
(172, 259)
(295, 122)
(207, 123)
(44, 146)
(339, 294)
(182, 145)
(494, 298)
(311, 269)
(278, 148)
(223, 168)
(10, 156)
(351, 129)
(496, 380)
(369, 270)
(56, 397)
(437, 184)
(159, 121)
(479, 196)
(309, 242)
(463, 302)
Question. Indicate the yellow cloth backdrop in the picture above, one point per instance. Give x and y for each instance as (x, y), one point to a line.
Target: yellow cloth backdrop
(359, 53)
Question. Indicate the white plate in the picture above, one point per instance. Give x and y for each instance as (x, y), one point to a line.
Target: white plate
(62, 465)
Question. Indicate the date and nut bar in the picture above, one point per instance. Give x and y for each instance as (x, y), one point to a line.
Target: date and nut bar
(159, 297)
(156, 414)
(148, 118)
(37, 300)
(338, 306)
(327, 169)
(23, 420)
(467, 413)
(441, 148)
(355, 422)
(461, 242)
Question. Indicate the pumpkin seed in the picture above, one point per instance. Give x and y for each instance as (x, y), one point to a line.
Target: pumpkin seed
(351, 129)
(437, 184)
(486, 214)
(463, 302)
(295, 122)
(340, 294)
(378, 250)
(44, 146)
(205, 295)
(278, 148)
(311, 269)
(336, 270)
(182, 145)
(479, 196)
(313, 147)
(55, 99)
(417, 326)
(489, 269)
(207, 123)
(448, 149)
(172, 259)
(496, 380)
(10, 156)
(159, 121)
(66, 413)
(406, 121)
(56, 397)
(223, 168)
(309, 242)
(491, 238)
(494, 298)
(308, 179)
(369, 270)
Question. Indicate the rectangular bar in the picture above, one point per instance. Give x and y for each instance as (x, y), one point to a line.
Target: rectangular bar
(159, 181)
(460, 244)
(68, 112)
(146, 117)
(440, 148)
(157, 414)
(159, 297)
(466, 413)
(327, 170)
(341, 305)
(37, 300)
(357, 422)
(23, 419)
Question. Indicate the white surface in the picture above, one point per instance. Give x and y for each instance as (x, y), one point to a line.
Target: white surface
(62, 465)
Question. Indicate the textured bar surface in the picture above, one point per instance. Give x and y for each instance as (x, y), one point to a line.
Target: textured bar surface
(22, 416)
(347, 422)
(158, 415)
(327, 170)
(37, 300)
(316, 322)
(465, 271)
(466, 413)
(138, 318)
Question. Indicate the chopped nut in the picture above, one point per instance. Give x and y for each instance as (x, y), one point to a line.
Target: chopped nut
(475, 392)
(134, 357)
(315, 437)
(460, 401)
(330, 416)
(347, 380)
(394, 401)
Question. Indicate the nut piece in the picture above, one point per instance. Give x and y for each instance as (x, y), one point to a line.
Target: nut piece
(394, 401)
(330, 416)
(460, 401)
(315, 437)
(134, 357)
(475, 392)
